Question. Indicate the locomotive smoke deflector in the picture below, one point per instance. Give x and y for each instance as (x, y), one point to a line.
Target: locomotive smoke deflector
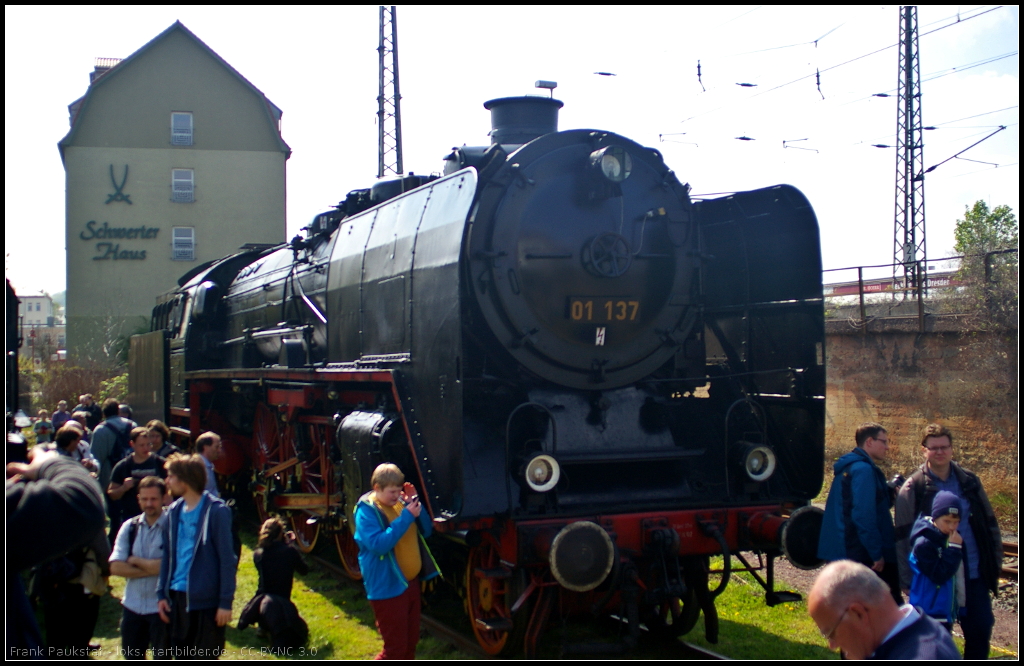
(518, 120)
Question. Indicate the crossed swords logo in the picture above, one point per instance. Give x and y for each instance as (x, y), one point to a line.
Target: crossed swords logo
(118, 194)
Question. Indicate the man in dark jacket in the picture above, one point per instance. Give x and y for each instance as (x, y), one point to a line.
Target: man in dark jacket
(53, 506)
(857, 524)
(853, 612)
(88, 405)
(983, 548)
(197, 574)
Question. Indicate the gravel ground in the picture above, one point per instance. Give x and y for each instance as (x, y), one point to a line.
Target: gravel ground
(1005, 635)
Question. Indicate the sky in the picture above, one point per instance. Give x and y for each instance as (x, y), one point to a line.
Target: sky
(319, 65)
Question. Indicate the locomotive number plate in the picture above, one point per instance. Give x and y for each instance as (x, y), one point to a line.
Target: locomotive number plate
(615, 308)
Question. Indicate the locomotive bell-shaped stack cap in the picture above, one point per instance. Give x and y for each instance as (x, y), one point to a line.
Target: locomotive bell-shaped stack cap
(518, 120)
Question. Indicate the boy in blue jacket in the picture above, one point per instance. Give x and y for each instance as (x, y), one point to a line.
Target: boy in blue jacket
(937, 560)
(394, 558)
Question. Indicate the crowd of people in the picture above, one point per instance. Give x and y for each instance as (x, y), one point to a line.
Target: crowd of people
(943, 552)
(99, 495)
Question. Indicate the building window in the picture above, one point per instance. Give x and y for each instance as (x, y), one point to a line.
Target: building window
(181, 129)
(182, 185)
(183, 243)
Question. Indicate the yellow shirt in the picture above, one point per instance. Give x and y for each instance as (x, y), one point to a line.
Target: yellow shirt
(407, 550)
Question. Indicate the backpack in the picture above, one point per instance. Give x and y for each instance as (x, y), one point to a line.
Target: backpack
(122, 442)
(133, 531)
(923, 495)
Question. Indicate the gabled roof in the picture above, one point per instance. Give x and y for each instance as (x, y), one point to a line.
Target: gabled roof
(77, 107)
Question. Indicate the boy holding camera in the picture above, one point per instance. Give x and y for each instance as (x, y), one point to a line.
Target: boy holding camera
(394, 558)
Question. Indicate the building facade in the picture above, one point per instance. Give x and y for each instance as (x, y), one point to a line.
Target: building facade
(41, 327)
(173, 159)
(36, 310)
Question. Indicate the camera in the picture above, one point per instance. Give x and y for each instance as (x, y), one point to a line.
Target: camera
(894, 484)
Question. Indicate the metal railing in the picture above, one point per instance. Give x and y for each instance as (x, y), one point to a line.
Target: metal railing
(864, 293)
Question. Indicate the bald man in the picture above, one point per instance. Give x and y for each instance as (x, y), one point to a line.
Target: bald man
(855, 612)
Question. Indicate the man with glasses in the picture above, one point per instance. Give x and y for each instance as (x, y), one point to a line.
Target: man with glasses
(858, 524)
(983, 549)
(854, 611)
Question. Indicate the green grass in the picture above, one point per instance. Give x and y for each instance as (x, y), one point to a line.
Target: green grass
(340, 619)
(747, 625)
(341, 624)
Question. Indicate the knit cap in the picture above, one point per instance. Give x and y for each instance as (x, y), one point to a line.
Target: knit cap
(945, 503)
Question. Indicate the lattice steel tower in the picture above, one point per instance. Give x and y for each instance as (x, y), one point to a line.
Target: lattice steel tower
(389, 101)
(909, 248)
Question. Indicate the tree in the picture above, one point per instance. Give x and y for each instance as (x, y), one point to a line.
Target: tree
(983, 231)
(989, 270)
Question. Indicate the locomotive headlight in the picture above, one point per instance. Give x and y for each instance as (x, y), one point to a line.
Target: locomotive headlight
(614, 163)
(542, 473)
(758, 462)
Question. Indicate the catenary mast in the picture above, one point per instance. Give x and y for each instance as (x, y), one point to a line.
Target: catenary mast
(909, 249)
(389, 100)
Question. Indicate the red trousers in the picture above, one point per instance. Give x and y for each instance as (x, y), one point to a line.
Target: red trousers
(398, 620)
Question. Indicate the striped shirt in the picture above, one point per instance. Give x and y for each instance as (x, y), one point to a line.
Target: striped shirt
(140, 593)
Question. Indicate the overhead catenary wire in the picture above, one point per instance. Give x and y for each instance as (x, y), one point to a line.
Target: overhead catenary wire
(828, 146)
(987, 113)
(941, 73)
(936, 166)
(847, 62)
(984, 129)
(1001, 166)
(861, 57)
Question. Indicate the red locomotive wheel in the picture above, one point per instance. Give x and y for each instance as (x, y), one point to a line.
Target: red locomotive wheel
(305, 534)
(265, 452)
(489, 598)
(259, 498)
(348, 553)
(305, 478)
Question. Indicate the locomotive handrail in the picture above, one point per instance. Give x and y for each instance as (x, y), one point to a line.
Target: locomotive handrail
(708, 378)
(767, 304)
(634, 455)
(312, 306)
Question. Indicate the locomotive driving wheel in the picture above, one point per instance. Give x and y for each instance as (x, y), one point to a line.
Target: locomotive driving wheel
(489, 599)
(348, 552)
(305, 533)
(305, 442)
(266, 452)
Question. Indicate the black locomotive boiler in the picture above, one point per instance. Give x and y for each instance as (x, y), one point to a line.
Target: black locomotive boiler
(596, 382)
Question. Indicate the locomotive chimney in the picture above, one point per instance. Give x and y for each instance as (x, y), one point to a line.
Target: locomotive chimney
(517, 120)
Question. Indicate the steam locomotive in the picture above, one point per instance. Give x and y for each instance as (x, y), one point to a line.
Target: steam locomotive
(595, 382)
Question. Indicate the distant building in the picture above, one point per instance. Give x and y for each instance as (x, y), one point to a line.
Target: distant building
(42, 329)
(173, 159)
(36, 310)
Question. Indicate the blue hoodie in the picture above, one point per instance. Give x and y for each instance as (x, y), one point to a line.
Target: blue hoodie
(934, 562)
(376, 538)
(857, 524)
(211, 576)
